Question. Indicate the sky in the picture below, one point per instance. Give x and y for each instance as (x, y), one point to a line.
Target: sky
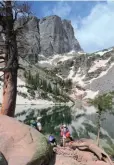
(93, 21)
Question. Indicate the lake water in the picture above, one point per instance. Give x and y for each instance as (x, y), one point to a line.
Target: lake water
(82, 122)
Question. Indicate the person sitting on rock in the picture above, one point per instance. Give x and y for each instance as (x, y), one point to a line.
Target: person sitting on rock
(39, 126)
(65, 134)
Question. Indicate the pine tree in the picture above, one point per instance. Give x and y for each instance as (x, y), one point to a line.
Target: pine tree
(37, 79)
(25, 74)
(29, 78)
(103, 103)
(44, 84)
(68, 83)
(56, 90)
(49, 88)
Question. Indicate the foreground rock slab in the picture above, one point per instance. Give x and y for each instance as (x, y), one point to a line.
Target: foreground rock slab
(21, 144)
(80, 152)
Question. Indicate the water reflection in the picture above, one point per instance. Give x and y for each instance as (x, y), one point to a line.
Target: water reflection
(55, 117)
(52, 118)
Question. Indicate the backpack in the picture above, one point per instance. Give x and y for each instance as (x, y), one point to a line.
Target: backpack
(64, 131)
(51, 138)
(33, 124)
(67, 134)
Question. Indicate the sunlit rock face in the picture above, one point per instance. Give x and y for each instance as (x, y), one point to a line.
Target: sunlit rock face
(28, 38)
(47, 36)
(57, 36)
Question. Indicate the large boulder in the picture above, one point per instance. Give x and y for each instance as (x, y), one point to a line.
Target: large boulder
(81, 152)
(22, 145)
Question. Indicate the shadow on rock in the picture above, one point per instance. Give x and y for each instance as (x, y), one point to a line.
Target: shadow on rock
(3, 160)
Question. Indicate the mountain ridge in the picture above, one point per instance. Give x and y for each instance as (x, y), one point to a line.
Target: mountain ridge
(83, 71)
(91, 74)
(49, 35)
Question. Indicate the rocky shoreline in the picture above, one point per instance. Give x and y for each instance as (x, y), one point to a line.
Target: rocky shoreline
(22, 145)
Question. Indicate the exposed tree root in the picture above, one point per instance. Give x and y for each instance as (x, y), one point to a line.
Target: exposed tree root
(83, 145)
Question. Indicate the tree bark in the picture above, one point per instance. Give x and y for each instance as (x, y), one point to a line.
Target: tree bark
(9, 93)
(11, 64)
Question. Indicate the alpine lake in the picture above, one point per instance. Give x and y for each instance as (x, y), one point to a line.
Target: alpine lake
(81, 121)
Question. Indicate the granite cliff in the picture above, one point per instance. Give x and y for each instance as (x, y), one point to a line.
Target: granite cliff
(47, 36)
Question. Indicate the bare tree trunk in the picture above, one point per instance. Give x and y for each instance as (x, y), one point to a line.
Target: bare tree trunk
(98, 136)
(99, 126)
(11, 64)
(9, 93)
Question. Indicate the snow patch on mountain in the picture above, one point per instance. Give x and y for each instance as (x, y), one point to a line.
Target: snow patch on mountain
(56, 59)
(71, 73)
(72, 51)
(64, 58)
(91, 94)
(87, 72)
(101, 53)
(77, 93)
(98, 64)
(79, 79)
(90, 73)
(83, 94)
(76, 77)
(103, 73)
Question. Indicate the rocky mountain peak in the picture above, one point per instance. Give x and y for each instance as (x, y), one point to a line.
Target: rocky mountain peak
(49, 35)
(57, 36)
(31, 20)
(66, 21)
